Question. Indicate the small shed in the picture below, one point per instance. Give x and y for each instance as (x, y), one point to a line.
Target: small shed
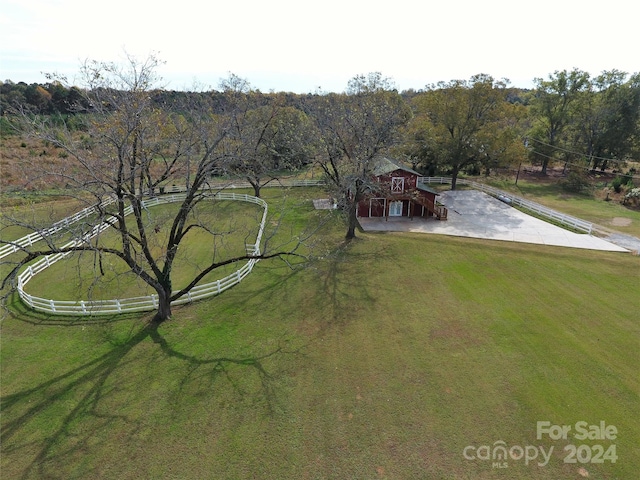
(398, 192)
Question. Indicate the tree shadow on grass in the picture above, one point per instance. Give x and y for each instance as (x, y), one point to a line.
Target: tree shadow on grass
(57, 426)
(345, 280)
(330, 284)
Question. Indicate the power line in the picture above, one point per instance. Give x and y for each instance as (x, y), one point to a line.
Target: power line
(578, 153)
(586, 167)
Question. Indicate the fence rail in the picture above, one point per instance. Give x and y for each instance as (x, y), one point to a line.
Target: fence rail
(29, 240)
(32, 238)
(233, 184)
(143, 303)
(568, 220)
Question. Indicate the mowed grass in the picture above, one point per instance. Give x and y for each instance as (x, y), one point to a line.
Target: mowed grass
(228, 227)
(382, 359)
(39, 211)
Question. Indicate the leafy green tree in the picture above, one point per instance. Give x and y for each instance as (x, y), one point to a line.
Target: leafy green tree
(453, 120)
(11, 95)
(501, 140)
(552, 111)
(38, 98)
(606, 118)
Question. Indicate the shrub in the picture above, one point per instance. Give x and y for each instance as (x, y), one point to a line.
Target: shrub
(473, 170)
(616, 184)
(628, 178)
(575, 182)
(633, 197)
(6, 128)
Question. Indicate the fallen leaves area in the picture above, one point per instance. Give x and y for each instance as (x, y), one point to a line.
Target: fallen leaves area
(32, 165)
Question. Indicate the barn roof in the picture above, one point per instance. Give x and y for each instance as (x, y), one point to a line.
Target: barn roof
(424, 188)
(385, 165)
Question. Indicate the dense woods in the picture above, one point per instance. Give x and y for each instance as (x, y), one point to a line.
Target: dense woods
(569, 119)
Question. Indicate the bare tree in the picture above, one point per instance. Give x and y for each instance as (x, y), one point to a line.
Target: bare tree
(266, 137)
(355, 128)
(132, 148)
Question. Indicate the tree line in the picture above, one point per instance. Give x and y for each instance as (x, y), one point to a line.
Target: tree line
(473, 125)
(124, 138)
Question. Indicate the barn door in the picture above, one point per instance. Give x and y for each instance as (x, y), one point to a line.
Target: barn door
(395, 209)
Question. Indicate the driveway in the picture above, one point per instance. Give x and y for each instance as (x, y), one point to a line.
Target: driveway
(475, 214)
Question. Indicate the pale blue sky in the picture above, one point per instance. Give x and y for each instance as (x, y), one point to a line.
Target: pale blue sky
(294, 45)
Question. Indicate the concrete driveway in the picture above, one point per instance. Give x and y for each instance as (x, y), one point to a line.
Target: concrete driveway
(475, 214)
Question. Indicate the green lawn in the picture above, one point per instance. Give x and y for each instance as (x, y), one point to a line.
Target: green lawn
(34, 210)
(83, 276)
(382, 359)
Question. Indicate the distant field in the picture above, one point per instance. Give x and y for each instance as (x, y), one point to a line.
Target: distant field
(383, 359)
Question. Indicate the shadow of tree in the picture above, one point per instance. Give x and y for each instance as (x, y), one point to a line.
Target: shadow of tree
(218, 366)
(341, 279)
(47, 444)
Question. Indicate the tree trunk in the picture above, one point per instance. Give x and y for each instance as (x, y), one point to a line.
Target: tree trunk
(545, 163)
(164, 307)
(353, 222)
(454, 178)
(255, 183)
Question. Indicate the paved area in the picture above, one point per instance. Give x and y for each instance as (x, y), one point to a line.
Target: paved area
(475, 214)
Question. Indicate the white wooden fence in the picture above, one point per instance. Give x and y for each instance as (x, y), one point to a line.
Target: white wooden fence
(145, 303)
(568, 220)
(238, 183)
(150, 302)
(32, 238)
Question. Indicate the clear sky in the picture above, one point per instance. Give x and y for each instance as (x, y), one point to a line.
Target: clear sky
(300, 46)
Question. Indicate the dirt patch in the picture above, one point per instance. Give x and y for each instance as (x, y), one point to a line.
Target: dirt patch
(455, 332)
(620, 222)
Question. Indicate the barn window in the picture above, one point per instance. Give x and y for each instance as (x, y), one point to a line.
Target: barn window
(397, 184)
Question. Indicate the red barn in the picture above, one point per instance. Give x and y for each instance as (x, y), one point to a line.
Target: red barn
(398, 193)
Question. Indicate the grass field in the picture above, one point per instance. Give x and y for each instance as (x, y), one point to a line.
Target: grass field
(80, 276)
(383, 359)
